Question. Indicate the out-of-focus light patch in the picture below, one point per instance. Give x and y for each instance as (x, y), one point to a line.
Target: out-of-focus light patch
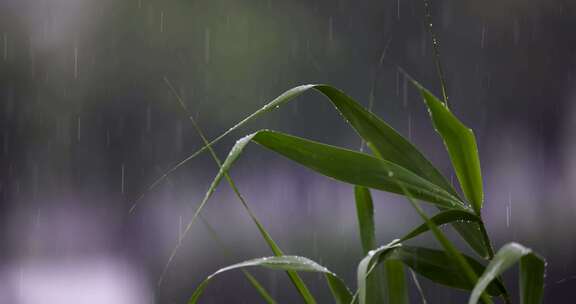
(86, 281)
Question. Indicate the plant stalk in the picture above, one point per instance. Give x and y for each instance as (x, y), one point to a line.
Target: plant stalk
(488, 243)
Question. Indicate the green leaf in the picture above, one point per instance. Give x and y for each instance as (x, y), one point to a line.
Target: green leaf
(382, 139)
(228, 252)
(435, 265)
(461, 145)
(457, 257)
(296, 280)
(386, 142)
(287, 263)
(532, 269)
(351, 167)
(366, 267)
(259, 288)
(531, 272)
(444, 217)
(396, 281)
(439, 267)
(365, 213)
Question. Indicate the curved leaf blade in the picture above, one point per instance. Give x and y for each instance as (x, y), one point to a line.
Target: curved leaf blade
(354, 167)
(532, 269)
(366, 267)
(391, 281)
(444, 217)
(531, 272)
(461, 145)
(286, 263)
(259, 288)
(365, 214)
(438, 266)
(382, 139)
(396, 282)
(456, 256)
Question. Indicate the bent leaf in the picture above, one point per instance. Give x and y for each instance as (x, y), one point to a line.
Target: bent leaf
(461, 145)
(366, 267)
(531, 272)
(456, 256)
(381, 138)
(288, 263)
(444, 217)
(396, 282)
(439, 267)
(351, 167)
(365, 214)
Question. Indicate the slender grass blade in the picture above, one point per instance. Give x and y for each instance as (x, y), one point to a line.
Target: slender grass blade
(287, 263)
(531, 272)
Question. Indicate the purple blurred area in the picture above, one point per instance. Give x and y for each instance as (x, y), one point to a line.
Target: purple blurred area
(87, 124)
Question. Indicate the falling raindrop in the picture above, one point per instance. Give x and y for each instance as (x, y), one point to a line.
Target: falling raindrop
(149, 118)
(162, 22)
(107, 138)
(79, 128)
(397, 83)
(5, 40)
(75, 61)
(179, 136)
(483, 37)
(409, 126)
(32, 57)
(405, 92)
(5, 143)
(123, 185)
(398, 9)
(330, 29)
(207, 45)
(180, 234)
(37, 219)
(516, 31)
(509, 210)
(21, 283)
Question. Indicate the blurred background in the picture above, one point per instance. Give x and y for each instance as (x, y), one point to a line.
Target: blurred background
(87, 124)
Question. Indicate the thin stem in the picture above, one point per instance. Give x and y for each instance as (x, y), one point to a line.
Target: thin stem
(486, 238)
(296, 280)
(446, 244)
(488, 243)
(436, 49)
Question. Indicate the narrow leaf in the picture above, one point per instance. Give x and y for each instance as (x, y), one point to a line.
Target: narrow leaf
(287, 263)
(457, 257)
(439, 267)
(531, 272)
(354, 167)
(461, 145)
(444, 217)
(259, 288)
(366, 267)
(365, 214)
(396, 281)
(381, 138)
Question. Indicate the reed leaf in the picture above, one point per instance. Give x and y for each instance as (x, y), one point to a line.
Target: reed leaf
(287, 263)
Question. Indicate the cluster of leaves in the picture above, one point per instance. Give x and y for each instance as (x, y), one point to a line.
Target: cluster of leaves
(395, 166)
